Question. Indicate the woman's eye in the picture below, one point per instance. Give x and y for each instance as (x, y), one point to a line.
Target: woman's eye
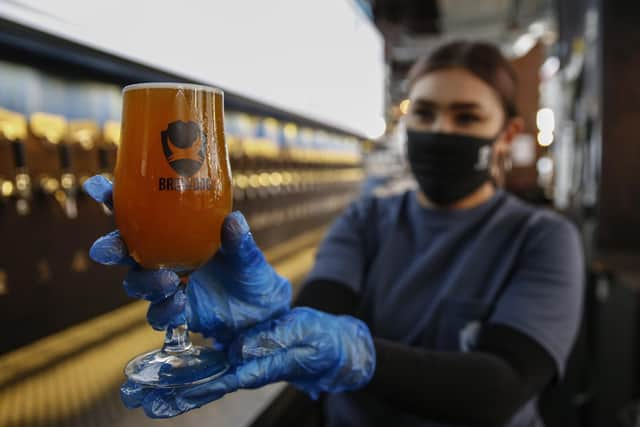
(467, 118)
(424, 115)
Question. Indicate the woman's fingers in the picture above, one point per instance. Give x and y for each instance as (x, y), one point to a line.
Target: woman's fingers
(100, 189)
(111, 250)
(169, 312)
(267, 370)
(169, 402)
(152, 285)
(132, 394)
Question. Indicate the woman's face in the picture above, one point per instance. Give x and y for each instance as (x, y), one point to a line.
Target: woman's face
(455, 101)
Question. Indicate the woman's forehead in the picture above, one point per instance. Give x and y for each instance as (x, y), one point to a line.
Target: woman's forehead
(454, 86)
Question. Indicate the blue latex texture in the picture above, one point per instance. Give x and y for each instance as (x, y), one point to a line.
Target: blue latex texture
(233, 291)
(315, 351)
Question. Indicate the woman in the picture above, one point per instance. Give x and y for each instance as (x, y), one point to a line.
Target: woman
(468, 300)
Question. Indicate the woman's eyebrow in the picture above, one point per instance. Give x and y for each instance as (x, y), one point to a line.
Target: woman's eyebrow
(464, 105)
(422, 102)
(455, 105)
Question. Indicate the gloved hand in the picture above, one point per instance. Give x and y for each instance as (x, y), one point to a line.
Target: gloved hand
(315, 351)
(236, 289)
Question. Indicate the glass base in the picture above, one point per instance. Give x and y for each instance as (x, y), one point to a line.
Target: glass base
(161, 368)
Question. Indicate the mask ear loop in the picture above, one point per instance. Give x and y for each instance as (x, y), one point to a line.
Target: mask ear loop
(501, 163)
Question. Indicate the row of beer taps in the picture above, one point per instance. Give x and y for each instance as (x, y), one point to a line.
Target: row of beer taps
(44, 154)
(47, 155)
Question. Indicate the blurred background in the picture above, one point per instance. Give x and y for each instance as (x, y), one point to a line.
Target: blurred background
(314, 94)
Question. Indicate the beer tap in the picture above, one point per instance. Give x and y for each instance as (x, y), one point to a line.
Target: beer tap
(13, 128)
(251, 150)
(233, 131)
(108, 149)
(290, 155)
(51, 130)
(243, 128)
(271, 151)
(83, 135)
(6, 166)
(263, 150)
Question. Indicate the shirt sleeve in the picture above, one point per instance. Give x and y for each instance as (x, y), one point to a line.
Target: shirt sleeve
(491, 383)
(328, 296)
(545, 294)
(343, 252)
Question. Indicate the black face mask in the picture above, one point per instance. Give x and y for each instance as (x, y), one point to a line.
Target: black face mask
(448, 166)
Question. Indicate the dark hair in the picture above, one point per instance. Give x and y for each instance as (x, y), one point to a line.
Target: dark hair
(482, 59)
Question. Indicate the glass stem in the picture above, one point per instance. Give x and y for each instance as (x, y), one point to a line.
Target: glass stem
(177, 338)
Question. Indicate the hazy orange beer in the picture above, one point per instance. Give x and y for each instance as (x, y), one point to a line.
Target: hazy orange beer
(172, 191)
(172, 185)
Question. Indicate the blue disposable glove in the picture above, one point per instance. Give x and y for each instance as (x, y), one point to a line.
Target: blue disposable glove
(315, 351)
(236, 289)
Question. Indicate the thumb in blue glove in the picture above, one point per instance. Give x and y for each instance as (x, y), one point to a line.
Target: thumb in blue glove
(236, 289)
(315, 351)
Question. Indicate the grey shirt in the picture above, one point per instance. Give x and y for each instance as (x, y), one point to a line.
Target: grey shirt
(432, 278)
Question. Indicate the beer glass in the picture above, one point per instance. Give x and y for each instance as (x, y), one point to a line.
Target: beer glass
(172, 191)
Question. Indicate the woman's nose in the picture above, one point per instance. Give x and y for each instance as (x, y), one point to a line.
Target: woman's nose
(443, 124)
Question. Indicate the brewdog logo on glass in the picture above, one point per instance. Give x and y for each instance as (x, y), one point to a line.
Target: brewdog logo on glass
(184, 145)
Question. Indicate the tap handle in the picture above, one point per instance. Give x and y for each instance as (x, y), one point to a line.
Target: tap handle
(19, 154)
(64, 154)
